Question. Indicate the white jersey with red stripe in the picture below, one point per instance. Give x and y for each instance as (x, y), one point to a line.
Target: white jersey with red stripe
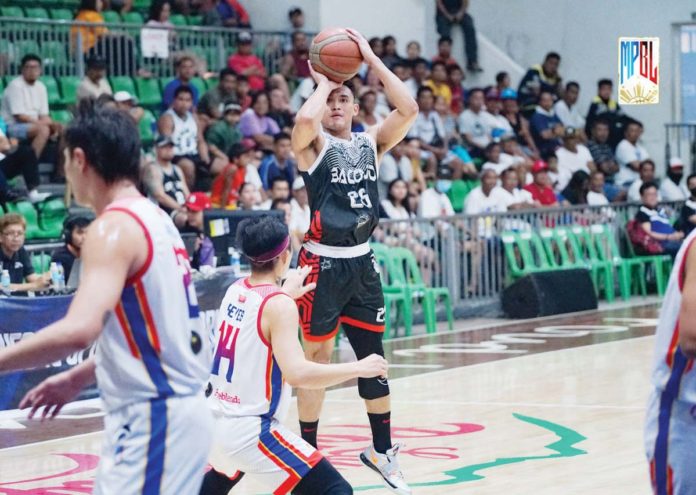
(245, 377)
(151, 345)
(672, 371)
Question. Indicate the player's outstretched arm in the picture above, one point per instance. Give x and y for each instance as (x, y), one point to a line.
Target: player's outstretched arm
(115, 247)
(56, 391)
(687, 314)
(400, 120)
(306, 137)
(281, 319)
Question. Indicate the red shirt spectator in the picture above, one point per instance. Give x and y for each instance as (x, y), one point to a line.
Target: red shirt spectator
(225, 189)
(244, 62)
(541, 189)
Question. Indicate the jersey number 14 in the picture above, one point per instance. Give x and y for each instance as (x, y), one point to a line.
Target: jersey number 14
(359, 199)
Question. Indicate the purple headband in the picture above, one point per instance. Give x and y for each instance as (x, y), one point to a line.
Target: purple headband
(273, 253)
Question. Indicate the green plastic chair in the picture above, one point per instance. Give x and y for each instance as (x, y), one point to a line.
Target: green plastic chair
(41, 262)
(68, 88)
(557, 253)
(601, 272)
(211, 82)
(122, 83)
(24, 47)
(53, 54)
(61, 14)
(194, 20)
(36, 13)
(26, 209)
(52, 214)
(61, 116)
(661, 263)
(199, 84)
(111, 17)
(628, 269)
(142, 4)
(163, 81)
(133, 18)
(457, 194)
(524, 253)
(145, 127)
(11, 11)
(149, 93)
(406, 272)
(394, 297)
(51, 84)
(177, 19)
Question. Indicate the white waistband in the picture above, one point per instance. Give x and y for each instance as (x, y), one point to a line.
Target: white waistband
(337, 251)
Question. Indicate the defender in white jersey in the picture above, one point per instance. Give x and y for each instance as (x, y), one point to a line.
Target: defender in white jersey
(670, 430)
(137, 301)
(257, 358)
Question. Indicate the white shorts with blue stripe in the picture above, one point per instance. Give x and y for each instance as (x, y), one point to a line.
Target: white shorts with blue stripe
(155, 448)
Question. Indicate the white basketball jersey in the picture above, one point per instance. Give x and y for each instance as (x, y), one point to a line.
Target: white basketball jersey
(245, 376)
(152, 345)
(185, 135)
(672, 371)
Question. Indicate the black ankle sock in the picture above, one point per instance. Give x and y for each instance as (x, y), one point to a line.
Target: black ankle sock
(308, 430)
(381, 431)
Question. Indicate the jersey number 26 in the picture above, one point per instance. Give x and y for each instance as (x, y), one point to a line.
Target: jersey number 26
(359, 199)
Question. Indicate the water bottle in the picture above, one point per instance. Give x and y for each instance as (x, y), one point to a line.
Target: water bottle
(54, 275)
(234, 260)
(61, 277)
(5, 282)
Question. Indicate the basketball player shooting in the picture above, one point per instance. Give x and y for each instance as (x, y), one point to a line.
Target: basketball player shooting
(340, 171)
(150, 363)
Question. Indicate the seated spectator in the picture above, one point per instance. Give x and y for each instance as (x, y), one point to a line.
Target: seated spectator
(165, 183)
(191, 151)
(646, 171)
(389, 56)
(670, 187)
(545, 126)
(15, 161)
(566, 109)
(225, 133)
(89, 11)
(129, 104)
(248, 197)
(204, 251)
(629, 154)
(94, 83)
(519, 124)
(74, 231)
(244, 92)
(488, 197)
(185, 70)
(294, 65)
(395, 164)
(279, 163)
(240, 169)
(257, 125)
(413, 51)
(454, 12)
(434, 201)
(512, 152)
(438, 82)
(495, 160)
(501, 127)
(449, 122)
(603, 156)
(575, 192)
(213, 102)
(15, 259)
(476, 124)
(279, 110)
(245, 63)
(655, 222)
(539, 79)
(572, 157)
(279, 190)
(596, 196)
(444, 52)
(25, 107)
(299, 211)
(211, 16)
(540, 188)
(687, 215)
(368, 115)
(414, 154)
(456, 77)
(502, 82)
(233, 14)
(604, 107)
(420, 71)
(284, 205)
(517, 199)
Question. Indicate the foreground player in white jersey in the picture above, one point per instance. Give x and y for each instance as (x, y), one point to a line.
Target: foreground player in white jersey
(136, 301)
(670, 430)
(257, 358)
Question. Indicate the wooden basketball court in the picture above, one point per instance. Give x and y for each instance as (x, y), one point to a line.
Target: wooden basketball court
(546, 406)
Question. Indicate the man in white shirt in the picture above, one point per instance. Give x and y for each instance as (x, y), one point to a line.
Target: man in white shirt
(629, 153)
(394, 165)
(299, 212)
(94, 84)
(595, 196)
(25, 107)
(486, 198)
(517, 199)
(572, 156)
(496, 160)
(646, 171)
(475, 124)
(567, 109)
(434, 201)
(670, 187)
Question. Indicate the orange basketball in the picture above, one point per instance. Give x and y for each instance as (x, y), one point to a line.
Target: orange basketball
(335, 55)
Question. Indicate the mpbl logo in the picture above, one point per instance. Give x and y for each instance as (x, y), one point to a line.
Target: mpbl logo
(639, 71)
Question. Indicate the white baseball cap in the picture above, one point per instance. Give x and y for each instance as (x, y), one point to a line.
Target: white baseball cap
(122, 96)
(298, 183)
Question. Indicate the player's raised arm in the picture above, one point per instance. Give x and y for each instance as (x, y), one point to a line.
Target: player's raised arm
(113, 247)
(307, 140)
(687, 314)
(399, 121)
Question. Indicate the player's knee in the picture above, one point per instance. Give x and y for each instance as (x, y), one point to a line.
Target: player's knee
(373, 388)
(321, 352)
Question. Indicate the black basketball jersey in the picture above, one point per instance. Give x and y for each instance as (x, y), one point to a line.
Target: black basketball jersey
(342, 190)
(173, 185)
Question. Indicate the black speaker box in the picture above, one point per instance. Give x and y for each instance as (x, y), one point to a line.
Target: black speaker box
(550, 293)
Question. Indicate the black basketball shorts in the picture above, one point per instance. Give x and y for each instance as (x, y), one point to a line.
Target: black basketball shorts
(348, 291)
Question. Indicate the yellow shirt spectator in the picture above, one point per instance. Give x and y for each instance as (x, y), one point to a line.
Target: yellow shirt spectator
(440, 89)
(90, 34)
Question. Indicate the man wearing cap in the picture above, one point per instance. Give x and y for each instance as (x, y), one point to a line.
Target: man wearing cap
(671, 188)
(244, 62)
(204, 252)
(540, 188)
(94, 83)
(225, 133)
(164, 181)
(129, 104)
(572, 156)
(185, 70)
(280, 163)
(239, 170)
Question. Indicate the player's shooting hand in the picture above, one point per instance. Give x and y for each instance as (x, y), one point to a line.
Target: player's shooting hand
(372, 366)
(293, 282)
(321, 78)
(53, 393)
(365, 49)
